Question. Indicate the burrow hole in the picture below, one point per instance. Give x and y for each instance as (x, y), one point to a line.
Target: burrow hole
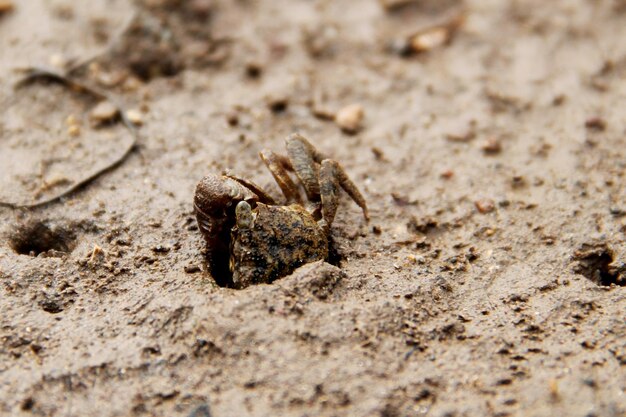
(38, 237)
(595, 262)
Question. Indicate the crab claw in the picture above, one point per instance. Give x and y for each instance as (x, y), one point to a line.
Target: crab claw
(215, 194)
(215, 199)
(245, 218)
(215, 204)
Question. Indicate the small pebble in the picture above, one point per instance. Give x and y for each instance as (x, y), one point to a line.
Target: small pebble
(378, 154)
(322, 111)
(559, 100)
(232, 118)
(447, 174)
(103, 112)
(254, 69)
(73, 130)
(460, 137)
(161, 249)
(350, 117)
(73, 125)
(97, 253)
(411, 258)
(57, 61)
(71, 120)
(131, 84)
(518, 181)
(427, 40)
(6, 6)
(110, 79)
(434, 37)
(134, 116)
(485, 206)
(596, 123)
(277, 104)
(192, 269)
(491, 146)
(320, 41)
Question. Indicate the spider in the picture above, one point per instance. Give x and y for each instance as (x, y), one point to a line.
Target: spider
(252, 239)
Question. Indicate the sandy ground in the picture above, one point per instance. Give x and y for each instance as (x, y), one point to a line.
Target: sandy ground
(489, 282)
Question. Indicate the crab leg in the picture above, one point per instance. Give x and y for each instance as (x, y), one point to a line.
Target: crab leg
(331, 174)
(305, 161)
(329, 188)
(278, 166)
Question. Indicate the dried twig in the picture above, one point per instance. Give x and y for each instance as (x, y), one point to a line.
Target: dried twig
(33, 74)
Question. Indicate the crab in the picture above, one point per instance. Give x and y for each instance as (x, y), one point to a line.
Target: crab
(253, 239)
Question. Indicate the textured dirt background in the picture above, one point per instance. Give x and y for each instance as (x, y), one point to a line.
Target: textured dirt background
(437, 309)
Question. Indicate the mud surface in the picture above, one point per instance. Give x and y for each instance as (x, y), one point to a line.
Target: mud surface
(490, 280)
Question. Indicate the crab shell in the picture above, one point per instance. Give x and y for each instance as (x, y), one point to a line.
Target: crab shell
(270, 242)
